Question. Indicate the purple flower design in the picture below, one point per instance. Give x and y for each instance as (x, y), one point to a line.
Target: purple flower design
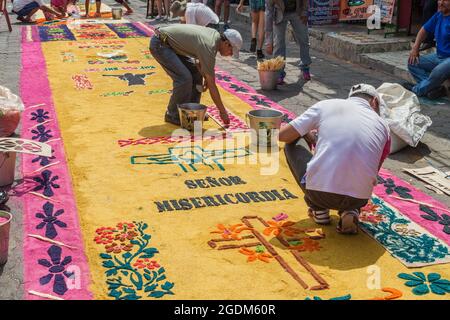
(223, 78)
(43, 161)
(56, 269)
(42, 134)
(50, 220)
(260, 101)
(40, 115)
(46, 182)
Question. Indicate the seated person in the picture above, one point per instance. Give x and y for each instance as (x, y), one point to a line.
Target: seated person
(25, 9)
(432, 70)
(353, 141)
(195, 13)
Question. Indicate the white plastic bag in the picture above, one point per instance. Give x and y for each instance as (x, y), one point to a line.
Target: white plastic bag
(10, 108)
(401, 110)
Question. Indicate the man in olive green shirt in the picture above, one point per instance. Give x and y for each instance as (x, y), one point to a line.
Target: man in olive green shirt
(188, 55)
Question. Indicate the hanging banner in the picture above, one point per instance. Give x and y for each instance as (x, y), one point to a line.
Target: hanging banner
(354, 10)
(387, 9)
(323, 12)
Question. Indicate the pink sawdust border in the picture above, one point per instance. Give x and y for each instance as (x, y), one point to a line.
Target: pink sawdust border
(35, 90)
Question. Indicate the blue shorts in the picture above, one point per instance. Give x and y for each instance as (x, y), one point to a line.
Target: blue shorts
(27, 9)
(257, 5)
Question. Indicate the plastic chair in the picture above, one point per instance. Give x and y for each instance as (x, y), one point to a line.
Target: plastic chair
(4, 10)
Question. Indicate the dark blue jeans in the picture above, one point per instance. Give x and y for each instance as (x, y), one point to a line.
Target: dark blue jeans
(430, 73)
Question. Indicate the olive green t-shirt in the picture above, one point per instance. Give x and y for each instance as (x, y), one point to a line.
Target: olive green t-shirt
(194, 41)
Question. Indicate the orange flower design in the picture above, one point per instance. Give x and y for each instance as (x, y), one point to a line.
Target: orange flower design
(104, 239)
(307, 244)
(278, 228)
(124, 236)
(105, 230)
(253, 255)
(231, 232)
(117, 248)
(105, 235)
(370, 207)
(146, 263)
(125, 225)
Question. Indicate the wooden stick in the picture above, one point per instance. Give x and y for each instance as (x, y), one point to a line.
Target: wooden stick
(38, 124)
(36, 105)
(420, 202)
(50, 240)
(43, 197)
(53, 140)
(42, 168)
(249, 236)
(44, 295)
(237, 246)
(272, 251)
(308, 267)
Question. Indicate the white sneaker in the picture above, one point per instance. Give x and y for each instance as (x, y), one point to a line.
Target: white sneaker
(158, 17)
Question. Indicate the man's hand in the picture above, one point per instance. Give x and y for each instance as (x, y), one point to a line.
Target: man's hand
(414, 56)
(224, 117)
(269, 48)
(240, 8)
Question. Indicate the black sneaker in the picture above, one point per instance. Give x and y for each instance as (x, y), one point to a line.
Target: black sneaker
(437, 93)
(259, 54)
(169, 119)
(253, 45)
(407, 85)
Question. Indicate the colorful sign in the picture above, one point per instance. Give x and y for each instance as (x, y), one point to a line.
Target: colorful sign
(354, 10)
(387, 9)
(323, 12)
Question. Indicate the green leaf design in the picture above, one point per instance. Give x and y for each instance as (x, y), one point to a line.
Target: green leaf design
(125, 273)
(115, 293)
(167, 286)
(147, 277)
(161, 270)
(157, 294)
(407, 276)
(111, 272)
(108, 264)
(433, 277)
(151, 287)
(113, 286)
(126, 255)
(151, 251)
(420, 275)
(421, 290)
(146, 237)
(135, 242)
(105, 256)
(129, 290)
(163, 277)
(437, 289)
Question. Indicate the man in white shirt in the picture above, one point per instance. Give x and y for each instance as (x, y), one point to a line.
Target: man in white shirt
(25, 9)
(195, 13)
(352, 143)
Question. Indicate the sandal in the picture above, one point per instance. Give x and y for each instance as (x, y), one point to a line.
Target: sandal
(348, 223)
(320, 216)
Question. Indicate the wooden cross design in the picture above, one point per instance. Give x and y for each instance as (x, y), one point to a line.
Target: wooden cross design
(259, 239)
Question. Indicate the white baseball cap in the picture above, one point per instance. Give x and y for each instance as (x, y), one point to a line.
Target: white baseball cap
(235, 39)
(367, 89)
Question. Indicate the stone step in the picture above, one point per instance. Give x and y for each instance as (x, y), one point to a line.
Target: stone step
(345, 41)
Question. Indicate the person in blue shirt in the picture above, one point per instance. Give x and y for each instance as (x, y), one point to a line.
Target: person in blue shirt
(432, 70)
